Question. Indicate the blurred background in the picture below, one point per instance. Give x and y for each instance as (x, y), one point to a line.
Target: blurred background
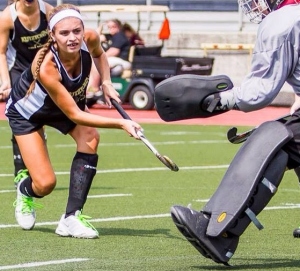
(198, 28)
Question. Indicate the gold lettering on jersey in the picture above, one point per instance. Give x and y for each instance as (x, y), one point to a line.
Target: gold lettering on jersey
(79, 94)
(36, 39)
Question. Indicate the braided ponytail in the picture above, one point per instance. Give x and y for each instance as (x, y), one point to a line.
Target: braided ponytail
(42, 54)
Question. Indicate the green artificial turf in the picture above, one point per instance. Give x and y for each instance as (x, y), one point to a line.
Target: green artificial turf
(130, 202)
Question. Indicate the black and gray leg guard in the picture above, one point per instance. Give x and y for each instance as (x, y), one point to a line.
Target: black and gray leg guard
(182, 96)
(248, 185)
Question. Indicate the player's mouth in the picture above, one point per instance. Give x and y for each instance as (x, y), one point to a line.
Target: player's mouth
(72, 45)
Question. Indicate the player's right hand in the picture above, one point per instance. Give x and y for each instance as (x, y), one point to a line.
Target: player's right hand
(131, 127)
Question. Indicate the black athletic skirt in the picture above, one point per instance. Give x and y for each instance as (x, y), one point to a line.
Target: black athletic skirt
(21, 126)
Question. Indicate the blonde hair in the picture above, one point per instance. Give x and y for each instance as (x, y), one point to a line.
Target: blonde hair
(47, 45)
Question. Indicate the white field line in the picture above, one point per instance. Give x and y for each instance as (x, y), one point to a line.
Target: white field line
(135, 170)
(181, 133)
(123, 218)
(118, 218)
(164, 143)
(287, 206)
(284, 206)
(149, 131)
(109, 196)
(90, 197)
(197, 200)
(137, 143)
(35, 264)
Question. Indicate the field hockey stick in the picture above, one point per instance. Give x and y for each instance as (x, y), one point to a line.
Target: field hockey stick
(163, 158)
(237, 138)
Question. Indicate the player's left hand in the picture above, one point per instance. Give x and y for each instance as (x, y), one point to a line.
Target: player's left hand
(110, 92)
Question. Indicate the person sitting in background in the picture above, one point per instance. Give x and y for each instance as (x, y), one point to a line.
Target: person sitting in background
(116, 46)
(133, 37)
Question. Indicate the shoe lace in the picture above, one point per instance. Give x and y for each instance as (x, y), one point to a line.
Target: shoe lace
(28, 204)
(23, 173)
(83, 219)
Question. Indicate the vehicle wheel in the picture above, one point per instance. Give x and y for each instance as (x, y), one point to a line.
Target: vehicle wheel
(94, 98)
(141, 98)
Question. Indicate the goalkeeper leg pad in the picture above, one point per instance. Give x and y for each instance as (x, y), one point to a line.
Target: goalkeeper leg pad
(250, 181)
(248, 185)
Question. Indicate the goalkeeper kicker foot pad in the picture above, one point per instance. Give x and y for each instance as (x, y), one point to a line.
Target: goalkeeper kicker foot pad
(193, 224)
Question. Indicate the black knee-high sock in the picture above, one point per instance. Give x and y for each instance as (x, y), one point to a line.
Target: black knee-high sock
(18, 160)
(26, 188)
(83, 170)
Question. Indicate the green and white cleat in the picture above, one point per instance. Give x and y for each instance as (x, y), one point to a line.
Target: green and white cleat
(25, 209)
(22, 175)
(76, 226)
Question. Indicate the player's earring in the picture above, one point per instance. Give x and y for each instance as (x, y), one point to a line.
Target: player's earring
(54, 43)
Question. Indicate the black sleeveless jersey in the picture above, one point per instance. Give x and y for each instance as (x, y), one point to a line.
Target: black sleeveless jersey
(23, 43)
(38, 106)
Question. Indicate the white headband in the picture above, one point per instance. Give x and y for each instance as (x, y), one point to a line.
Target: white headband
(62, 15)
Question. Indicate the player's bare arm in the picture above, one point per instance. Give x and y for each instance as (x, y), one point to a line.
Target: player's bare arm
(100, 59)
(6, 24)
(49, 77)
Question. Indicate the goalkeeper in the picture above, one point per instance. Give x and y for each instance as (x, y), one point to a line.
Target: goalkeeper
(269, 151)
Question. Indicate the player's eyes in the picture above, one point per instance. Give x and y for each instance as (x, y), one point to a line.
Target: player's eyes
(64, 33)
(77, 31)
